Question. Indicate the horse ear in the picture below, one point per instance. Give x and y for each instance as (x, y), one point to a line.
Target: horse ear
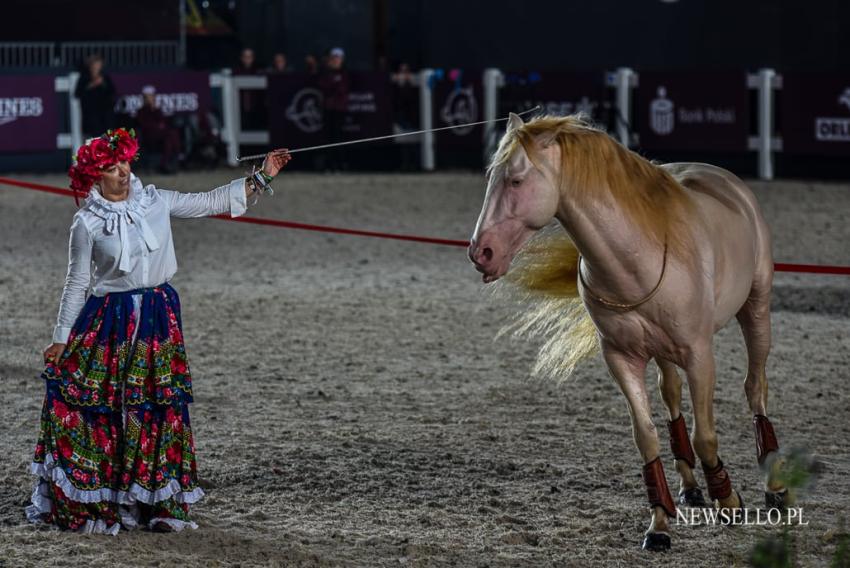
(514, 122)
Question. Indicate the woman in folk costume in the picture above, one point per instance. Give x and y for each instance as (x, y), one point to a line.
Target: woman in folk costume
(115, 447)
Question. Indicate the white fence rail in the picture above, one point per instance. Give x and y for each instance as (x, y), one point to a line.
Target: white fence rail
(624, 80)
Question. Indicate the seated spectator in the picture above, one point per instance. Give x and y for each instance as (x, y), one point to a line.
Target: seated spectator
(201, 137)
(157, 132)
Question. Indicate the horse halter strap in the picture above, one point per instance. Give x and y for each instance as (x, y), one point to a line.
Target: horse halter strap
(617, 305)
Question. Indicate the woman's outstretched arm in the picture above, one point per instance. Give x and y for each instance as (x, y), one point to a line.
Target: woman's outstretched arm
(231, 198)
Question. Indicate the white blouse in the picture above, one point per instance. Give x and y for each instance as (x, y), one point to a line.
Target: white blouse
(129, 242)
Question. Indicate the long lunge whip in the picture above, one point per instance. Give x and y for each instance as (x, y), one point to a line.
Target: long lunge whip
(387, 137)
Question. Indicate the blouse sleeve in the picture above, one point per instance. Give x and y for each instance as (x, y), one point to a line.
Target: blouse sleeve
(76, 281)
(228, 198)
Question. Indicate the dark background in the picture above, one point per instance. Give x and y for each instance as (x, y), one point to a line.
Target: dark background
(89, 20)
(518, 37)
(541, 35)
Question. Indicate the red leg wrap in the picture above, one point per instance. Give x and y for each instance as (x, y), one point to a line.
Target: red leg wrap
(719, 484)
(765, 437)
(656, 487)
(680, 443)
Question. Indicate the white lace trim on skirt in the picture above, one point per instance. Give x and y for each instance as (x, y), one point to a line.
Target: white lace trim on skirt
(127, 500)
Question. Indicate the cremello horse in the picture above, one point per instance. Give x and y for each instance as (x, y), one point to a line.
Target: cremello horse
(658, 259)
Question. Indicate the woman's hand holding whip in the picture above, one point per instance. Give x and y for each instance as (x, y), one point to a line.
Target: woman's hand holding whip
(272, 164)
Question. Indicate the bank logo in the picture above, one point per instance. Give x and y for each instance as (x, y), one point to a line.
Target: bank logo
(460, 107)
(305, 110)
(661, 117)
(834, 129)
(11, 109)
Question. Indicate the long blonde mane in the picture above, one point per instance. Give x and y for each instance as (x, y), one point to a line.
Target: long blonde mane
(543, 277)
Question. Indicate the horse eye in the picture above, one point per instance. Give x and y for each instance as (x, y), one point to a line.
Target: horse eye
(516, 182)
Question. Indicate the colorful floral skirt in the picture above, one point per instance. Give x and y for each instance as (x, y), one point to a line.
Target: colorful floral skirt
(115, 447)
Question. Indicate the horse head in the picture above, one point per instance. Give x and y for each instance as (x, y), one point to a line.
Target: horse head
(522, 197)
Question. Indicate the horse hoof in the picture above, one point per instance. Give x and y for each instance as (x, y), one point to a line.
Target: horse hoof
(656, 542)
(692, 497)
(776, 499)
(729, 520)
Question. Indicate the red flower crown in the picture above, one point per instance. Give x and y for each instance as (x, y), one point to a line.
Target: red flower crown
(115, 146)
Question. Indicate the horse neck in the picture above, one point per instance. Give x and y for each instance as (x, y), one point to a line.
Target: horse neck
(619, 259)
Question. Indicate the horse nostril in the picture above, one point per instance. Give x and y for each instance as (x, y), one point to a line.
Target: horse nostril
(487, 253)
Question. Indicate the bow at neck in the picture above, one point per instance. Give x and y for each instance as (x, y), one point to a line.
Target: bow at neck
(118, 214)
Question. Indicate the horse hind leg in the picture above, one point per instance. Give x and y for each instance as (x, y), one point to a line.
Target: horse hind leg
(670, 386)
(754, 318)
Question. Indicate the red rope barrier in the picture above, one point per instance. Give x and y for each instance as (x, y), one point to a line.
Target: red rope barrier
(270, 222)
(811, 268)
(779, 266)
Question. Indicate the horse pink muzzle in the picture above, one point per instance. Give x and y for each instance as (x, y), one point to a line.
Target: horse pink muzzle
(490, 255)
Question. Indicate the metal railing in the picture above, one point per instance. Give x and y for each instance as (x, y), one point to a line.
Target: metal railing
(27, 54)
(117, 54)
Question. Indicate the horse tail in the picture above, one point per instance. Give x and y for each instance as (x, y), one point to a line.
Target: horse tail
(543, 282)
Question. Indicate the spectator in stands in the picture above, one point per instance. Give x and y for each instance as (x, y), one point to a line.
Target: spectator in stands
(311, 64)
(405, 97)
(252, 101)
(247, 63)
(334, 84)
(278, 64)
(157, 132)
(97, 97)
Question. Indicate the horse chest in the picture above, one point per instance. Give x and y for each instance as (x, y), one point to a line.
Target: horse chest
(637, 335)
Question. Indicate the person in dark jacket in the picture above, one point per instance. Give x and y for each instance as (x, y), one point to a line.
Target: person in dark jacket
(97, 97)
(251, 101)
(334, 84)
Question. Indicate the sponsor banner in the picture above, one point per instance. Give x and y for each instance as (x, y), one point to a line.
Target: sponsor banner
(176, 92)
(29, 118)
(815, 113)
(693, 111)
(458, 100)
(296, 103)
(558, 94)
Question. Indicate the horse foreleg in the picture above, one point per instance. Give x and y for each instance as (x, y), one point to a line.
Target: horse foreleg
(754, 318)
(701, 378)
(670, 385)
(629, 374)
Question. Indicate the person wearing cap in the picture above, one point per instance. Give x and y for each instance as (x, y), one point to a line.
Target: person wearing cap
(334, 84)
(157, 132)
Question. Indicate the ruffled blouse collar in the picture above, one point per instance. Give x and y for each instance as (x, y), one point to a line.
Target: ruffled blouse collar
(118, 214)
(99, 205)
